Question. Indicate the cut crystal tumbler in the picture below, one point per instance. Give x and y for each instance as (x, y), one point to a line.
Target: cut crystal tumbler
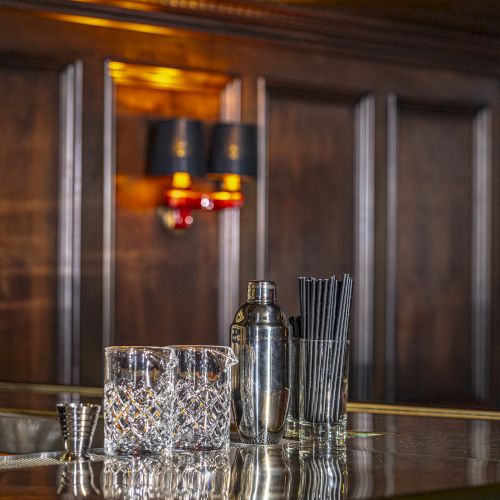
(202, 395)
(138, 397)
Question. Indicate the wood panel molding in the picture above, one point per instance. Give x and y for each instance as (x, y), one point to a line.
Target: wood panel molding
(326, 28)
(481, 251)
(229, 232)
(364, 182)
(108, 246)
(70, 208)
(262, 180)
(480, 278)
(390, 303)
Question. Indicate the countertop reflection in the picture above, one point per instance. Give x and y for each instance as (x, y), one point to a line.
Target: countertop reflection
(384, 456)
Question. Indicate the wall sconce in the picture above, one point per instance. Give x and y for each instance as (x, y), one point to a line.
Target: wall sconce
(177, 150)
(233, 160)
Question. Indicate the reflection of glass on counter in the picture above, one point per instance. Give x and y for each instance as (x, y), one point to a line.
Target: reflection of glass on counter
(323, 473)
(176, 475)
(134, 477)
(260, 473)
(200, 474)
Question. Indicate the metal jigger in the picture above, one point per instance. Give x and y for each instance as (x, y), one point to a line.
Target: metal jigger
(78, 423)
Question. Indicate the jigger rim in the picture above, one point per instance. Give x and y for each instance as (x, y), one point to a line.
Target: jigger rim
(65, 406)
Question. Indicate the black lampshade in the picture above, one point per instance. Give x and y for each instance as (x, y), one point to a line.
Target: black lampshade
(176, 145)
(234, 149)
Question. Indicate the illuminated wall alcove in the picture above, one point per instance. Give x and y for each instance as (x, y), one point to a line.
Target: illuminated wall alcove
(163, 288)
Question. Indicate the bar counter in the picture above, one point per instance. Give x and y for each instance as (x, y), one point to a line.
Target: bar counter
(391, 451)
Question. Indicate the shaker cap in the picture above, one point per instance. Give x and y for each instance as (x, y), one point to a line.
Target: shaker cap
(261, 291)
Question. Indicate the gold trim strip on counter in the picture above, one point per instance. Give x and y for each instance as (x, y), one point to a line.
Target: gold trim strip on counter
(422, 411)
(92, 392)
(31, 413)
(375, 408)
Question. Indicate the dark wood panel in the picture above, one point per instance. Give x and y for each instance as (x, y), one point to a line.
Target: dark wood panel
(29, 170)
(166, 283)
(311, 144)
(433, 277)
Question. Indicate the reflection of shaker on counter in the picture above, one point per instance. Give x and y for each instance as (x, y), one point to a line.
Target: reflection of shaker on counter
(260, 473)
(260, 382)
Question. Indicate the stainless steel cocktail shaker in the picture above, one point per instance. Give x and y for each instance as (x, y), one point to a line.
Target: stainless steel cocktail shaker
(260, 382)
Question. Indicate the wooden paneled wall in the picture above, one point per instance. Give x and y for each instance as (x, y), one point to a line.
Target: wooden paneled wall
(380, 163)
(29, 120)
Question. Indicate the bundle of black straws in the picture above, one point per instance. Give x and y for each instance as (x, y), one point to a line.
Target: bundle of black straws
(325, 306)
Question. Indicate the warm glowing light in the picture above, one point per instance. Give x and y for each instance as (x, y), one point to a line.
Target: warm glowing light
(108, 23)
(181, 180)
(183, 194)
(166, 78)
(138, 193)
(226, 199)
(225, 196)
(180, 148)
(231, 182)
(233, 152)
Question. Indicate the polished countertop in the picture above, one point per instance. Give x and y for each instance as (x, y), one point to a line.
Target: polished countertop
(390, 452)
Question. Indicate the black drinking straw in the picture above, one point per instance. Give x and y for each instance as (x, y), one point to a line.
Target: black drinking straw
(324, 358)
(343, 339)
(329, 337)
(318, 355)
(345, 328)
(328, 348)
(312, 371)
(340, 364)
(313, 308)
(321, 365)
(337, 337)
(314, 333)
(317, 351)
(308, 312)
(302, 294)
(306, 335)
(332, 288)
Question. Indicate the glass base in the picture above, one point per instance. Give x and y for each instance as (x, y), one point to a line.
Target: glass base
(330, 435)
(114, 450)
(291, 428)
